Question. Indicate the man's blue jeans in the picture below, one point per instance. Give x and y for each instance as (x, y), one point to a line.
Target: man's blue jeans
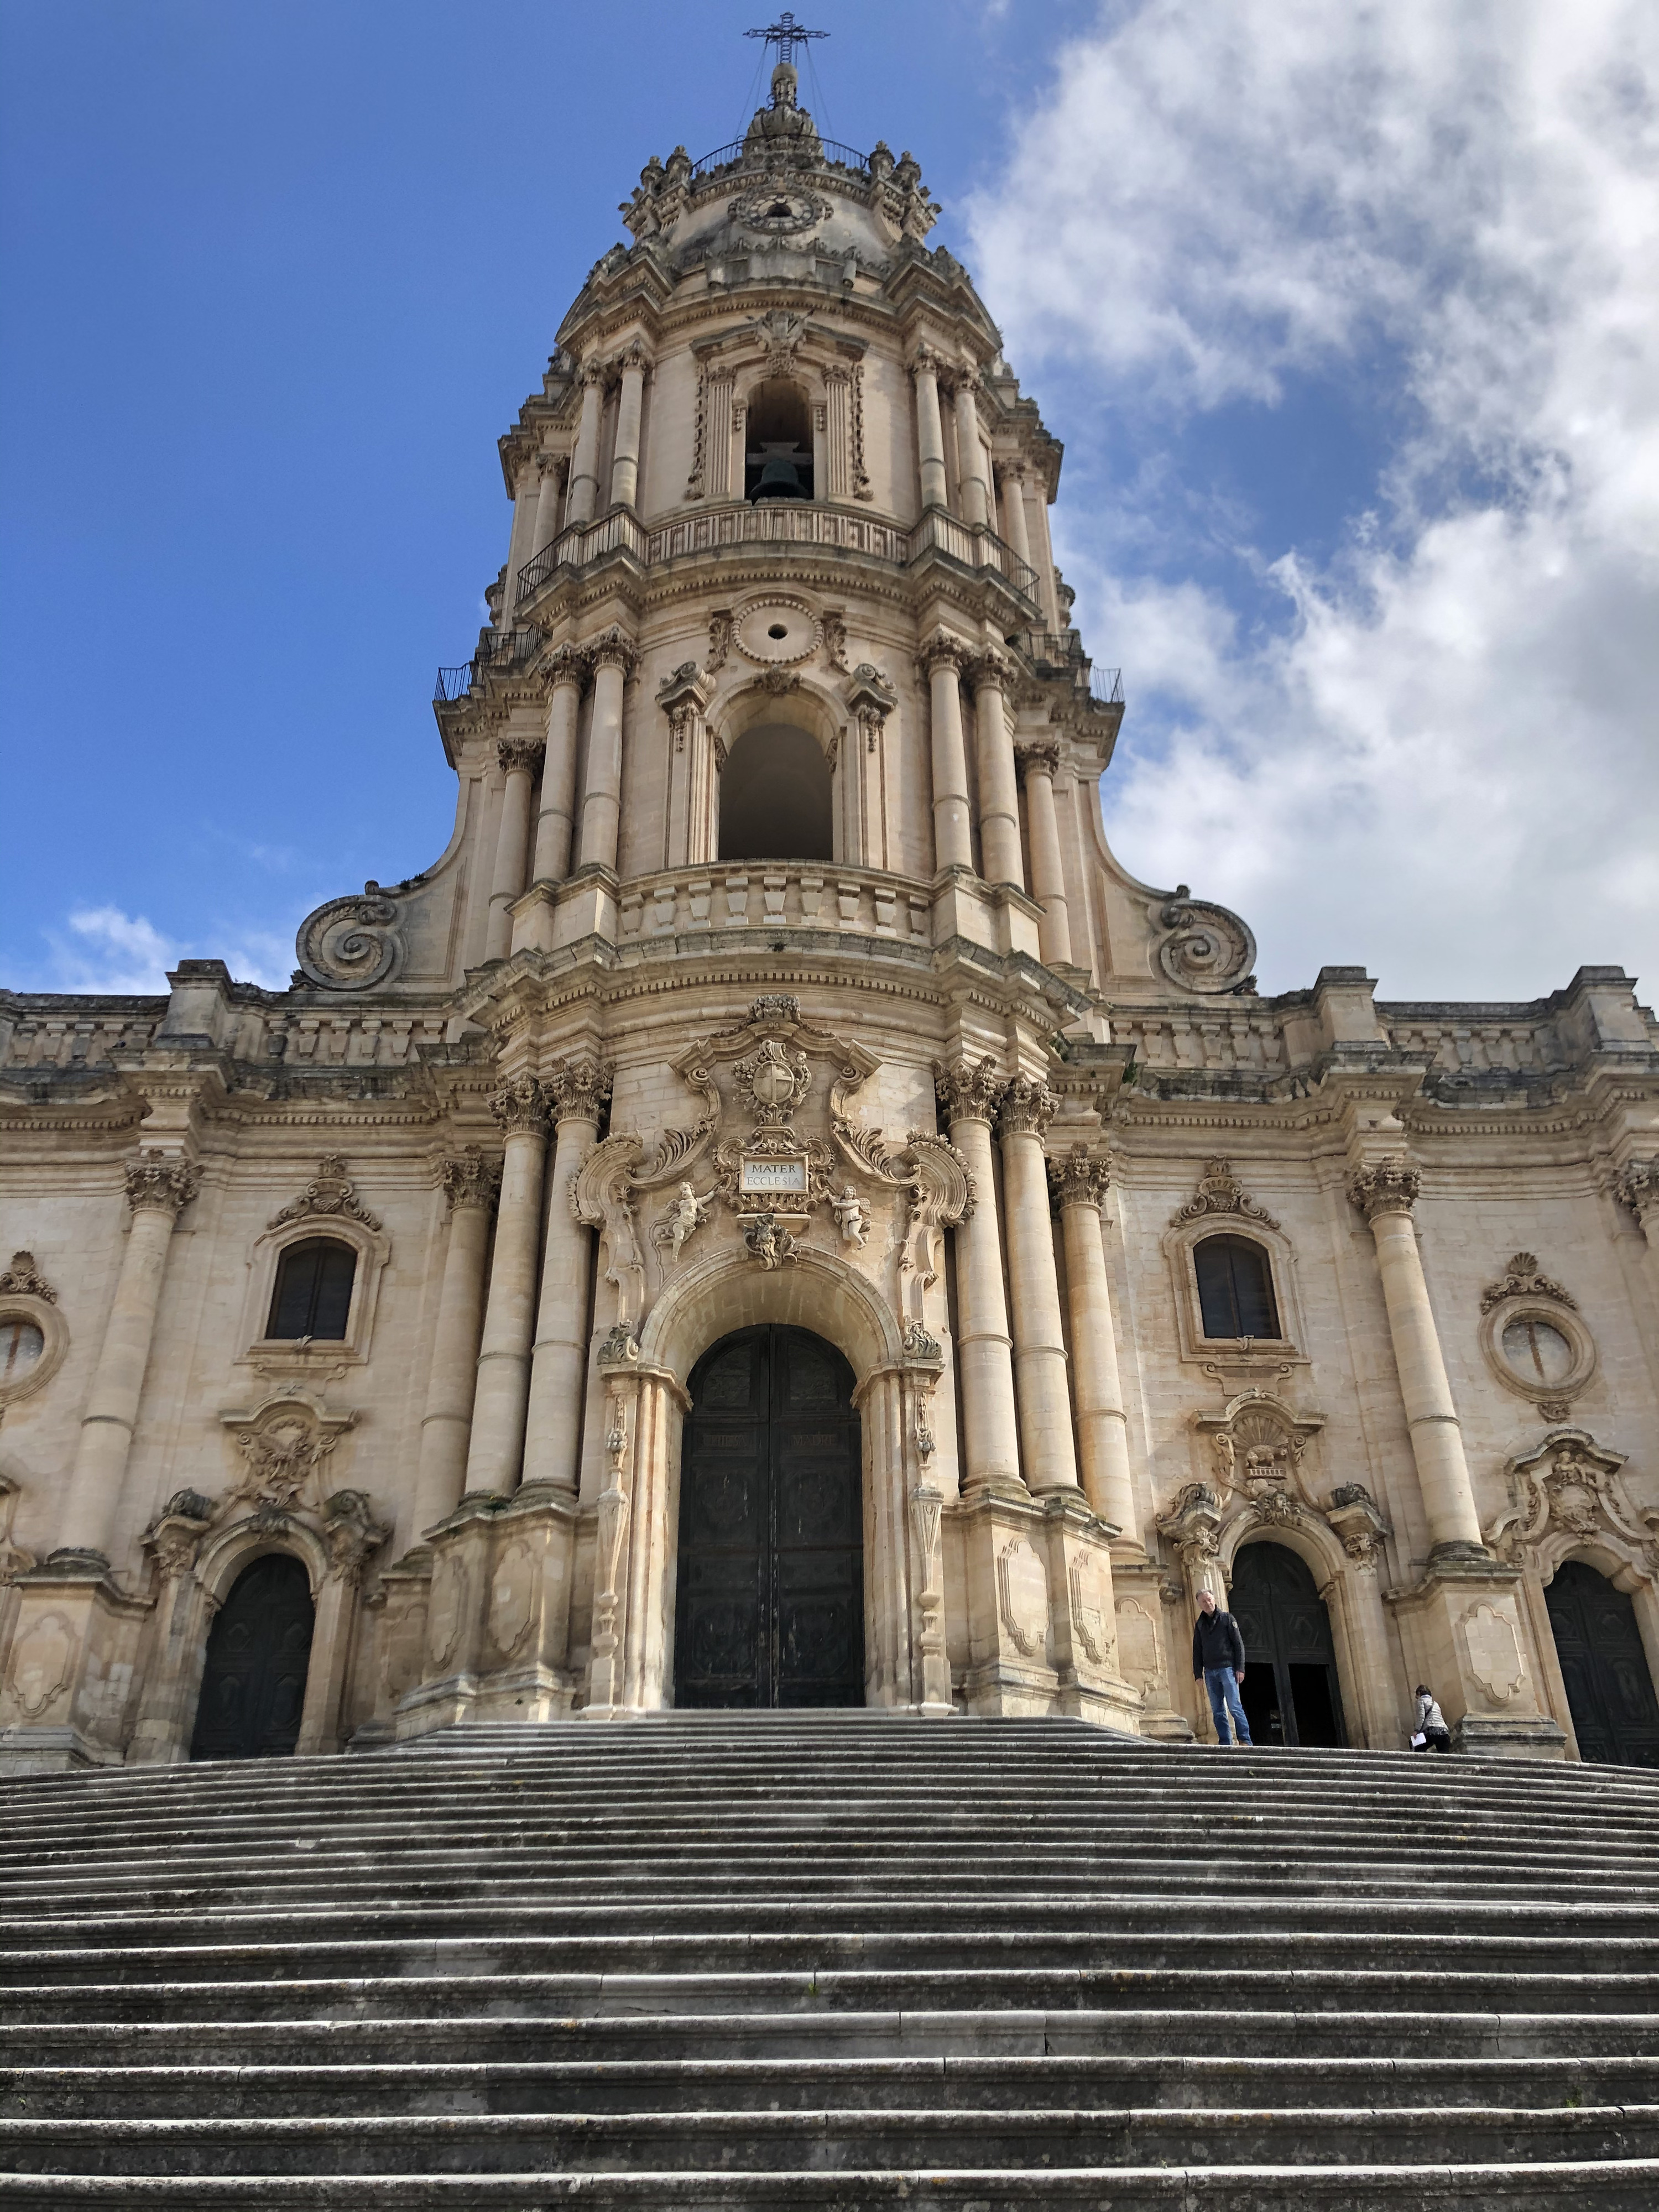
(1222, 1686)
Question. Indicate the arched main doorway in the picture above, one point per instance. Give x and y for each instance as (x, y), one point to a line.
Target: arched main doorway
(1615, 1715)
(253, 1687)
(1291, 1694)
(770, 1604)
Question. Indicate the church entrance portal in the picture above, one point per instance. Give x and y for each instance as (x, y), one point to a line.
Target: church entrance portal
(770, 1609)
(1289, 1694)
(1615, 1715)
(254, 1685)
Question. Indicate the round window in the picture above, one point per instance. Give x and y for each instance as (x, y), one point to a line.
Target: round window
(1538, 1354)
(21, 1344)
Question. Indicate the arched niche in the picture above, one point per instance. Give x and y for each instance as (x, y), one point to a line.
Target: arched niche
(777, 428)
(776, 796)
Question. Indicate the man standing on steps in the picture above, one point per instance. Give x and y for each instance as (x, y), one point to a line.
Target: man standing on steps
(1219, 1656)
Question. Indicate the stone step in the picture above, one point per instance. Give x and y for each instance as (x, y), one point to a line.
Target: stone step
(910, 1953)
(538, 1995)
(357, 2037)
(1622, 2186)
(1089, 2082)
(830, 2140)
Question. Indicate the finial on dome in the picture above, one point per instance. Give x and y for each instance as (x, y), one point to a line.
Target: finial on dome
(785, 34)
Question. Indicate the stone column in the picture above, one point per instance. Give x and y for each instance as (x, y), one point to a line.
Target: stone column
(470, 1182)
(1079, 1186)
(970, 456)
(1038, 765)
(584, 461)
(969, 1094)
(496, 1448)
(556, 823)
(999, 793)
(547, 501)
(521, 543)
(519, 757)
(942, 658)
(1385, 1194)
(612, 657)
(1045, 1403)
(1014, 514)
(558, 1368)
(625, 461)
(158, 1186)
(930, 430)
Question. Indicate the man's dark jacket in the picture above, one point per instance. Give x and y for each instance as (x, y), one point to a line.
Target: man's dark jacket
(1217, 1643)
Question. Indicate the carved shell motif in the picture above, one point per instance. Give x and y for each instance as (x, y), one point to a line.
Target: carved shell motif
(351, 943)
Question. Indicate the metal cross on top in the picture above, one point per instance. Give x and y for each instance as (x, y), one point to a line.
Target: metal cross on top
(785, 34)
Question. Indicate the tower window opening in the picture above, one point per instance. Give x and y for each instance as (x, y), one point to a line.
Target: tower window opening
(1236, 1288)
(778, 464)
(313, 1297)
(775, 798)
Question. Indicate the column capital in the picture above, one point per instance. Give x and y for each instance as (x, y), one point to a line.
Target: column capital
(1637, 1188)
(1040, 758)
(161, 1182)
(612, 649)
(592, 372)
(579, 1089)
(926, 361)
(549, 464)
(1028, 1106)
(634, 356)
(567, 664)
(470, 1178)
(944, 649)
(1387, 1186)
(1079, 1178)
(520, 1108)
(969, 1090)
(523, 753)
(990, 671)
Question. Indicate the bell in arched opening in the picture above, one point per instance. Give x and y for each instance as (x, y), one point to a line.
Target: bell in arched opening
(781, 475)
(779, 461)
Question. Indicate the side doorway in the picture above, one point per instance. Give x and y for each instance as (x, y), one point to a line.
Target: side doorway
(1291, 1694)
(1610, 1694)
(769, 1608)
(253, 1687)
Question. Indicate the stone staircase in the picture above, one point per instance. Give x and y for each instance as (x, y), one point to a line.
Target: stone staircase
(839, 1962)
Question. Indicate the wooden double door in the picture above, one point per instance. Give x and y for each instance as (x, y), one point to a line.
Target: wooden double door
(253, 1687)
(1289, 1694)
(1615, 1715)
(770, 1603)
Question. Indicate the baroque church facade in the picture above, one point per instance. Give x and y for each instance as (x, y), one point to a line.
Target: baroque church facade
(777, 1214)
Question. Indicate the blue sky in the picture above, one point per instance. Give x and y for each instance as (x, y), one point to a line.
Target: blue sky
(1341, 314)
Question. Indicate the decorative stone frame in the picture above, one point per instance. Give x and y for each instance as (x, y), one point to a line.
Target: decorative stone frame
(1565, 1320)
(293, 1355)
(41, 1314)
(1179, 1242)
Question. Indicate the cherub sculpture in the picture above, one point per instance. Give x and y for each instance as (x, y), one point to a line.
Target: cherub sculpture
(848, 1210)
(686, 1215)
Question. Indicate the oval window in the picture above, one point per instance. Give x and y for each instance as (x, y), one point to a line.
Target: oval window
(1537, 1353)
(21, 1344)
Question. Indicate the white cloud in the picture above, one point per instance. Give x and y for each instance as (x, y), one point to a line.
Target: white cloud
(105, 952)
(1445, 761)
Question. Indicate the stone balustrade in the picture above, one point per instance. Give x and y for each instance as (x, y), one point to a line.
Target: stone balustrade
(789, 894)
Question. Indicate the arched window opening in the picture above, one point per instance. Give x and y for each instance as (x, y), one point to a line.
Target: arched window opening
(778, 459)
(775, 798)
(313, 1296)
(1236, 1287)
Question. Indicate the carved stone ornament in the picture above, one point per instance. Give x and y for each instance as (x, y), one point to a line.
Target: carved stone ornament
(1207, 948)
(919, 1345)
(471, 1178)
(720, 641)
(1258, 1449)
(23, 1279)
(779, 211)
(1079, 1179)
(351, 943)
(774, 1080)
(767, 1240)
(1022, 1598)
(612, 649)
(284, 1447)
(1028, 1106)
(944, 649)
(1389, 1186)
(523, 753)
(851, 1226)
(1042, 758)
(351, 1534)
(1568, 1489)
(520, 1108)
(618, 1345)
(329, 1194)
(1360, 1521)
(579, 1089)
(161, 1182)
(1220, 1191)
(685, 1216)
(1193, 1524)
(1522, 1279)
(969, 1090)
(1637, 1188)
(174, 1537)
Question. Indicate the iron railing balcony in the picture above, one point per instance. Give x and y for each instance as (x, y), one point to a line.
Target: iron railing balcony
(496, 649)
(742, 522)
(815, 153)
